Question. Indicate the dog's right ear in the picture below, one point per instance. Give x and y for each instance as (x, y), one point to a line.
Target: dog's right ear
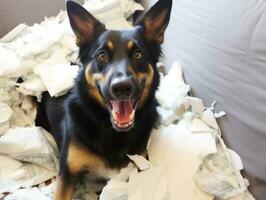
(84, 25)
(156, 20)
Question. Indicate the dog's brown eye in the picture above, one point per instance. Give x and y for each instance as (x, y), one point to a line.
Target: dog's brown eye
(137, 54)
(102, 56)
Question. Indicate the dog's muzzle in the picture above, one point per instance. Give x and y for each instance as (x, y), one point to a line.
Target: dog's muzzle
(122, 105)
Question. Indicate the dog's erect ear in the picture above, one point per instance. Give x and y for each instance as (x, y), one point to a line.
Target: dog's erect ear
(156, 20)
(84, 25)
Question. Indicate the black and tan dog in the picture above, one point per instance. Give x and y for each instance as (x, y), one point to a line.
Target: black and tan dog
(111, 109)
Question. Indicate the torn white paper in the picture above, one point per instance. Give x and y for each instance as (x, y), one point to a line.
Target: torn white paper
(140, 161)
(5, 114)
(30, 162)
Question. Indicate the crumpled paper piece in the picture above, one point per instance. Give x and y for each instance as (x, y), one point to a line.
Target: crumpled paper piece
(179, 149)
(31, 156)
(140, 161)
(219, 175)
(219, 172)
(171, 95)
(23, 110)
(19, 30)
(114, 14)
(216, 176)
(5, 114)
(55, 83)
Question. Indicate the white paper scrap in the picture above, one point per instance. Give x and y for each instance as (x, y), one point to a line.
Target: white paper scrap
(9, 61)
(140, 161)
(8, 166)
(14, 33)
(219, 114)
(209, 119)
(198, 126)
(5, 114)
(27, 194)
(196, 105)
(216, 176)
(154, 177)
(115, 190)
(236, 158)
(180, 151)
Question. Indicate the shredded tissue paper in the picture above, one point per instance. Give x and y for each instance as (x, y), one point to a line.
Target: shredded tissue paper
(188, 159)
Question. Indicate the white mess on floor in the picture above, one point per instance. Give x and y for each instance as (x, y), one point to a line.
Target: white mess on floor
(188, 159)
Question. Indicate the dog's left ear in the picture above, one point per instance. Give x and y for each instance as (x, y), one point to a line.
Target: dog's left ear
(156, 20)
(84, 25)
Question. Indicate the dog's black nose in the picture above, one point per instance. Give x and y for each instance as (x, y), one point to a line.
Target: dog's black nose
(122, 87)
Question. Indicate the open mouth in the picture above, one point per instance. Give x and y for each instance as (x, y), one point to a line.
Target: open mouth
(122, 113)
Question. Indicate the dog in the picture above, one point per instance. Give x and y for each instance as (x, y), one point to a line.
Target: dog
(110, 111)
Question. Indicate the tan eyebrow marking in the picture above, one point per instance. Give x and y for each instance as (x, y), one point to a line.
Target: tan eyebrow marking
(130, 44)
(110, 45)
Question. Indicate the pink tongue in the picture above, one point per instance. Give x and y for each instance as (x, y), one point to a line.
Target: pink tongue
(122, 110)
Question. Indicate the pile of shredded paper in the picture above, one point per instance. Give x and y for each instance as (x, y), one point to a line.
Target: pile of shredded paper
(188, 159)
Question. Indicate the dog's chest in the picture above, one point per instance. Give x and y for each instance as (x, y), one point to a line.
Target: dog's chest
(80, 159)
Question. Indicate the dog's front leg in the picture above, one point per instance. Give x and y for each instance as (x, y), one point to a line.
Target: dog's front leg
(65, 187)
(66, 180)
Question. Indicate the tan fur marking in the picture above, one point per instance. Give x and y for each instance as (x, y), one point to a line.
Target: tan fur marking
(79, 159)
(130, 44)
(148, 83)
(63, 191)
(150, 75)
(141, 76)
(110, 45)
(90, 77)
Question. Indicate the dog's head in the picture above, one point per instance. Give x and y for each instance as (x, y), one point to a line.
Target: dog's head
(120, 66)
